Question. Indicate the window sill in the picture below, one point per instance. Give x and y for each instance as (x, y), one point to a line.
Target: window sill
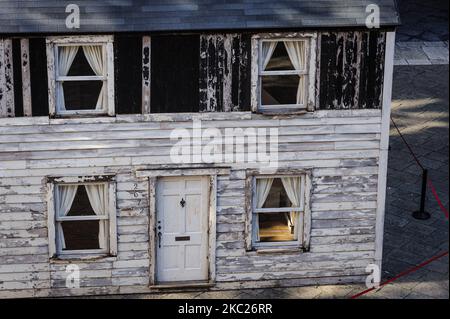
(283, 112)
(182, 285)
(278, 250)
(80, 115)
(82, 257)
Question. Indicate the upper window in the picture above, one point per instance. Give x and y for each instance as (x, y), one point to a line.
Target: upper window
(278, 210)
(84, 216)
(284, 74)
(81, 76)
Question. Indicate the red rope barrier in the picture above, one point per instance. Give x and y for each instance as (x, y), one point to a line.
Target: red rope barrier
(433, 190)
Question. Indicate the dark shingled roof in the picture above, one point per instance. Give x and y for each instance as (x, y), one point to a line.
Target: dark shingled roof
(48, 16)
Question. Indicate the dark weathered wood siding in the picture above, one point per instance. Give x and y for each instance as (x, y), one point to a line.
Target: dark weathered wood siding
(17, 70)
(351, 70)
(175, 73)
(225, 68)
(38, 77)
(128, 74)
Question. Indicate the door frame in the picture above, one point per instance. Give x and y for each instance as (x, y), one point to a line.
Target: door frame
(153, 176)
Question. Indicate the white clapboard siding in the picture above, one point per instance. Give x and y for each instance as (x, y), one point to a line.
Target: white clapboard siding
(341, 148)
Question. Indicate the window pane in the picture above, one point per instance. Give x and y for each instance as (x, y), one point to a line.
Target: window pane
(279, 89)
(280, 59)
(81, 95)
(277, 227)
(80, 66)
(79, 235)
(277, 197)
(81, 205)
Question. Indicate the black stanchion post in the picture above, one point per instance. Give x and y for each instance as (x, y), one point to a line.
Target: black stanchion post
(422, 214)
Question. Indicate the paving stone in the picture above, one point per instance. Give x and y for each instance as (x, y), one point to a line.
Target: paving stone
(390, 291)
(418, 295)
(436, 53)
(334, 292)
(228, 294)
(305, 292)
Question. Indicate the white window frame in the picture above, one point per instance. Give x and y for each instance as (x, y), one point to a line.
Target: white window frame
(110, 240)
(53, 43)
(309, 72)
(303, 226)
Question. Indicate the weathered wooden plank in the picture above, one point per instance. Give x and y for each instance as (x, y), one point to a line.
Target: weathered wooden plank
(6, 79)
(26, 80)
(291, 274)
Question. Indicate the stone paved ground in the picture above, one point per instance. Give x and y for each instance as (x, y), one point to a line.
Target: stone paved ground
(421, 53)
(423, 20)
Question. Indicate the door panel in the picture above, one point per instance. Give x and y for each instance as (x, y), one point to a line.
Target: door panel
(182, 229)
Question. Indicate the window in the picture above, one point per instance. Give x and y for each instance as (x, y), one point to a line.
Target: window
(81, 76)
(83, 218)
(285, 78)
(278, 210)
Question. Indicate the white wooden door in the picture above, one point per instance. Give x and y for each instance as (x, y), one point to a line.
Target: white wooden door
(182, 229)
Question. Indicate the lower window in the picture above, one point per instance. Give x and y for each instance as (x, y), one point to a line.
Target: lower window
(83, 218)
(278, 210)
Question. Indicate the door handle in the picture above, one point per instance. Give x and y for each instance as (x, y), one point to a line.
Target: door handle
(159, 239)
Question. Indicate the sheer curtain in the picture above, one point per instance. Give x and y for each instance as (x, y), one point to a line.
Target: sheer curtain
(263, 186)
(293, 185)
(65, 196)
(99, 201)
(297, 54)
(267, 51)
(66, 55)
(94, 56)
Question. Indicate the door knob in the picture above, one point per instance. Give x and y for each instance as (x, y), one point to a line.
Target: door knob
(159, 239)
(182, 202)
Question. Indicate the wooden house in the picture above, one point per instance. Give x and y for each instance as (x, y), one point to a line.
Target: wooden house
(152, 145)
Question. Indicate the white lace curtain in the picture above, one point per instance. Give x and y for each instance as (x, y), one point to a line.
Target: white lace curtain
(65, 195)
(297, 54)
(66, 55)
(94, 56)
(263, 186)
(292, 186)
(267, 51)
